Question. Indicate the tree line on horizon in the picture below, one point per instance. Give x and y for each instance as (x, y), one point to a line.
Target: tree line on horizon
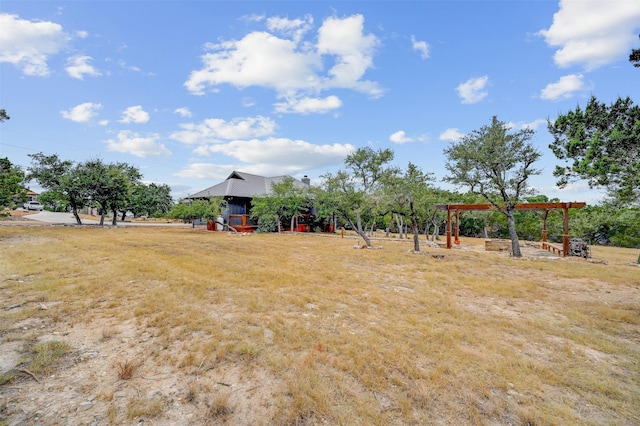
(600, 144)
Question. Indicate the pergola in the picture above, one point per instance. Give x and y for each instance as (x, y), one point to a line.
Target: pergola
(545, 208)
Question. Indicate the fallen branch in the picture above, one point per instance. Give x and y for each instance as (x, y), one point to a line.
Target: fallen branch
(25, 371)
(17, 305)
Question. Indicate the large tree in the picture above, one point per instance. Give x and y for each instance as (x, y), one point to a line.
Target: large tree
(286, 200)
(355, 192)
(149, 199)
(602, 145)
(408, 194)
(11, 184)
(110, 185)
(495, 163)
(62, 178)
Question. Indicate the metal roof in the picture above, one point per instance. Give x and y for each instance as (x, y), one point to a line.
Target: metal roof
(240, 184)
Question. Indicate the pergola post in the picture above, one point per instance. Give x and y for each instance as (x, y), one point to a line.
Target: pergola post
(565, 235)
(456, 241)
(544, 226)
(448, 228)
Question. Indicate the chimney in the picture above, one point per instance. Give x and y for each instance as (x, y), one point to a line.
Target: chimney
(306, 180)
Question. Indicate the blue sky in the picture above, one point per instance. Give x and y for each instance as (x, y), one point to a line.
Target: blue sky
(189, 91)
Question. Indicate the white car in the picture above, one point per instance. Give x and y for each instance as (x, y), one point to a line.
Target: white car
(33, 205)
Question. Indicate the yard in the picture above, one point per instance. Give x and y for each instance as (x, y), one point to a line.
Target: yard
(184, 326)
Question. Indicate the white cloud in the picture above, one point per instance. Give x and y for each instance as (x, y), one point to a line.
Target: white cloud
(400, 137)
(451, 134)
(78, 66)
(183, 112)
(309, 105)
(132, 143)
(28, 45)
(125, 66)
(283, 152)
(82, 113)
(272, 156)
(564, 88)
(592, 33)
(473, 90)
(533, 125)
(209, 171)
(294, 28)
(214, 130)
(291, 66)
(421, 46)
(134, 114)
(353, 51)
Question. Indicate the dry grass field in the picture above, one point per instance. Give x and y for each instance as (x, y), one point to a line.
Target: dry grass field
(183, 326)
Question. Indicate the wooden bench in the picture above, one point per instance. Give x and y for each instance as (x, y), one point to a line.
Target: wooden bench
(550, 247)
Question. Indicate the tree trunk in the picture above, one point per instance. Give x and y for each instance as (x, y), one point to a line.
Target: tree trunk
(400, 226)
(124, 215)
(114, 221)
(102, 213)
(359, 230)
(292, 220)
(414, 225)
(77, 216)
(515, 243)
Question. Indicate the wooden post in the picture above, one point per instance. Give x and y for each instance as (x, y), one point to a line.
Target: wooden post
(448, 228)
(565, 235)
(544, 226)
(457, 239)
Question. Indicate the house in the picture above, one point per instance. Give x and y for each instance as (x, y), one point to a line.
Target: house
(32, 196)
(238, 190)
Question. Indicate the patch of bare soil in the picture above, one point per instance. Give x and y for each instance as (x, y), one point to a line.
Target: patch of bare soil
(88, 382)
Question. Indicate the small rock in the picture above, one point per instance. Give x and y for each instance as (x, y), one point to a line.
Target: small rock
(84, 406)
(120, 394)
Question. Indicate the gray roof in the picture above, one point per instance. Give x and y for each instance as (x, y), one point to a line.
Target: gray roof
(240, 184)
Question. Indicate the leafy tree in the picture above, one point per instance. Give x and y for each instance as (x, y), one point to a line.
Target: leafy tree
(110, 185)
(354, 192)
(149, 200)
(3, 115)
(188, 210)
(634, 57)
(495, 164)
(602, 145)
(12, 180)
(62, 178)
(607, 223)
(286, 200)
(53, 201)
(409, 196)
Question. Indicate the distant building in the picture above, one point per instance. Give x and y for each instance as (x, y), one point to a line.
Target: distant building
(238, 190)
(32, 196)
